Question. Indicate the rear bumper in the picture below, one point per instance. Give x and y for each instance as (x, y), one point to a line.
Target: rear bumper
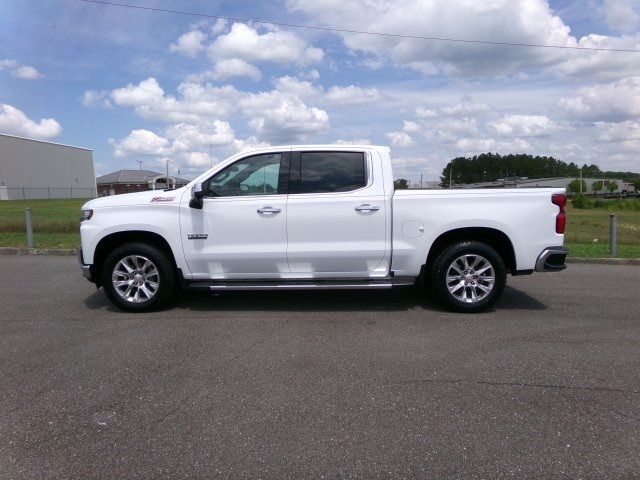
(86, 269)
(552, 259)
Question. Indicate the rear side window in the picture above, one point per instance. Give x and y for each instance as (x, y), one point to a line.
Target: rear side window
(325, 172)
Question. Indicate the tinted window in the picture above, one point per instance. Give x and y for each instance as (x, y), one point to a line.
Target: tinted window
(257, 175)
(322, 172)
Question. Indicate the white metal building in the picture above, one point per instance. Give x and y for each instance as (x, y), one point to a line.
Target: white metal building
(31, 169)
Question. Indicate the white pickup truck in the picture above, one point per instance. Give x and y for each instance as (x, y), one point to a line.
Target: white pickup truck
(312, 217)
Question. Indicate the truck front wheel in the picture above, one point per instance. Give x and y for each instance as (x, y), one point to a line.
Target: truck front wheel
(138, 277)
(468, 276)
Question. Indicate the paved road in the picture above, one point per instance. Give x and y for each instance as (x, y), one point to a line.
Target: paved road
(320, 385)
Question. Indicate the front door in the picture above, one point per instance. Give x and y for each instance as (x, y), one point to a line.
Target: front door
(241, 230)
(336, 216)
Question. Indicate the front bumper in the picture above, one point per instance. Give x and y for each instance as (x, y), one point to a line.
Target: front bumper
(552, 259)
(86, 269)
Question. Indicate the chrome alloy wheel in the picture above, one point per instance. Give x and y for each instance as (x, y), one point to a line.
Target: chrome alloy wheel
(136, 279)
(470, 278)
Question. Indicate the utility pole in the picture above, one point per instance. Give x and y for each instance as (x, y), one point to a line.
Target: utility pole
(450, 175)
(420, 181)
(139, 164)
(166, 161)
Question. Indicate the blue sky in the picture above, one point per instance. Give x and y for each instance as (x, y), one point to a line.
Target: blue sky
(139, 85)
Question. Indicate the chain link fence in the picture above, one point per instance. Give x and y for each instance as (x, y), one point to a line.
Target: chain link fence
(41, 193)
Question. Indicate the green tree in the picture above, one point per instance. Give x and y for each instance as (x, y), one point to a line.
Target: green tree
(574, 186)
(597, 186)
(489, 167)
(401, 184)
(612, 186)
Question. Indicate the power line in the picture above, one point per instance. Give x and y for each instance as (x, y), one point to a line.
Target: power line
(359, 32)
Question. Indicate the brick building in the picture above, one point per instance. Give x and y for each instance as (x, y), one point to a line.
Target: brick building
(128, 181)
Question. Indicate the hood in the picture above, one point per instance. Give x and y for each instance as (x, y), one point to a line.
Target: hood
(137, 198)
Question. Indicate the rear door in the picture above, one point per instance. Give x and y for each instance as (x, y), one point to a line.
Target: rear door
(336, 215)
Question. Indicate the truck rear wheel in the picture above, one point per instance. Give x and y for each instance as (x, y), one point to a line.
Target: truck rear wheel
(138, 277)
(468, 276)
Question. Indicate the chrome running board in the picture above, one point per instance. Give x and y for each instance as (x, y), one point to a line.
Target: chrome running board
(236, 285)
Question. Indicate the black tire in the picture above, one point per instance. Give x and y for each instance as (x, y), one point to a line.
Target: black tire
(443, 265)
(166, 277)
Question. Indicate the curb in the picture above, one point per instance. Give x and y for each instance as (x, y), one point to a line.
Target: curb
(605, 261)
(67, 252)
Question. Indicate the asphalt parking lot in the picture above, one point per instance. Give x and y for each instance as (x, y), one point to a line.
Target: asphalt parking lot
(319, 385)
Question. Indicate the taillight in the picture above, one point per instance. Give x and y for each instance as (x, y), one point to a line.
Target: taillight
(560, 199)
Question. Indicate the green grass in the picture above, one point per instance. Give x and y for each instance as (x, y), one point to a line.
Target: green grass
(56, 225)
(49, 216)
(43, 240)
(599, 250)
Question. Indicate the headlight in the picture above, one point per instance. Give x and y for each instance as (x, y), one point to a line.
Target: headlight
(86, 215)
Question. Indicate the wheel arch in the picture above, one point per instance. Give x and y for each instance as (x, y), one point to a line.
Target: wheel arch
(496, 239)
(113, 240)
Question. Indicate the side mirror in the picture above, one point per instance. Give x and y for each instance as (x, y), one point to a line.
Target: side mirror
(197, 194)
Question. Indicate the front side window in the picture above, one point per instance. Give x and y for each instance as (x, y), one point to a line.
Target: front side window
(257, 175)
(325, 172)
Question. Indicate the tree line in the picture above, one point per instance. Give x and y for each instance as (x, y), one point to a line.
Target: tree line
(489, 167)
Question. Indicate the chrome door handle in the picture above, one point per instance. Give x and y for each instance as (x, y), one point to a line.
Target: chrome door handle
(269, 210)
(367, 208)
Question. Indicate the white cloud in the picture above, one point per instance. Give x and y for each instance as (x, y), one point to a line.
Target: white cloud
(351, 95)
(474, 146)
(189, 136)
(611, 102)
(181, 140)
(196, 103)
(355, 141)
(141, 142)
(601, 64)
(20, 71)
(8, 64)
(96, 98)
(527, 21)
(622, 15)
(233, 67)
(522, 21)
(618, 132)
(335, 96)
(422, 112)
(14, 121)
(411, 127)
(199, 159)
(27, 73)
(189, 44)
(524, 125)
(477, 145)
(464, 109)
(447, 130)
(399, 139)
(246, 43)
(218, 27)
(283, 117)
